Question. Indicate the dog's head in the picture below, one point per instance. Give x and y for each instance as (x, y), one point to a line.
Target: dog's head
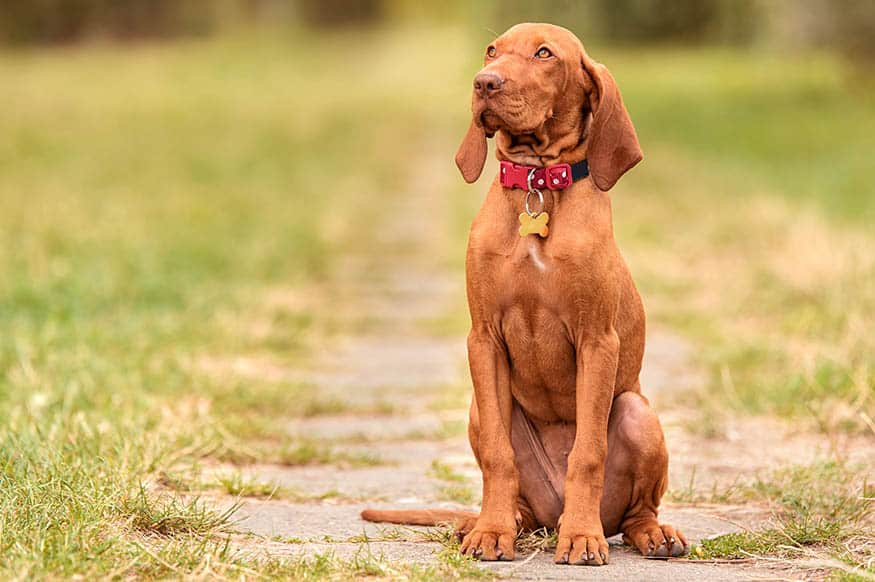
(548, 102)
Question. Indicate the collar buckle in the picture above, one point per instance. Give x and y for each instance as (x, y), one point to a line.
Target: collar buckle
(559, 176)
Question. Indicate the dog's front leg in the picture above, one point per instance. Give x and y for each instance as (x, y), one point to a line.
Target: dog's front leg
(581, 537)
(494, 534)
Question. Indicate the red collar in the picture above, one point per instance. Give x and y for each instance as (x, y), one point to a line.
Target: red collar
(555, 177)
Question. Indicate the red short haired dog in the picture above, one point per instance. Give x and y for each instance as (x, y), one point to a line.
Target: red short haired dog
(558, 424)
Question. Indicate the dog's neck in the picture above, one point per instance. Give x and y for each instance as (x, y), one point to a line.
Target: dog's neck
(560, 140)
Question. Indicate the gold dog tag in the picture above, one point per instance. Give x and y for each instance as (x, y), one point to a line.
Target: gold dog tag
(534, 224)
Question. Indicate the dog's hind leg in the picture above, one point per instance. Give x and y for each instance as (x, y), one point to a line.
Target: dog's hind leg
(636, 477)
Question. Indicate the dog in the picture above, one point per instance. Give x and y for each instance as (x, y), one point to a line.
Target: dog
(558, 425)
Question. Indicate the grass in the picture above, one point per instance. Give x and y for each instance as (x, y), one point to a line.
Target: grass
(450, 564)
(445, 472)
(795, 124)
(295, 453)
(162, 207)
(240, 484)
(778, 332)
(458, 493)
(455, 487)
(171, 516)
(236, 483)
(538, 540)
(172, 213)
(746, 228)
(824, 511)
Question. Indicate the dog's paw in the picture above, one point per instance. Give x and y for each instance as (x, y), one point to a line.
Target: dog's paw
(580, 545)
(489, 543)
(657, 541)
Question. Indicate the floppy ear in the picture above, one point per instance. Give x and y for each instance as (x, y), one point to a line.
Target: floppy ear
(612, 145)
(472, 152)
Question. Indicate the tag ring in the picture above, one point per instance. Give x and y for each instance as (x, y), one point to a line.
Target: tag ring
(533, 191)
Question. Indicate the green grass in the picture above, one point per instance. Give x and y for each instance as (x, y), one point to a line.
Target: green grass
(159, 202)
(746, 226)
(824, 511)
(455, 487)
(458, 493)
(778, 331)
(239, 484)
(797, 124)
(445, 472)
(170, 516)
(285, 451)
(450, 564)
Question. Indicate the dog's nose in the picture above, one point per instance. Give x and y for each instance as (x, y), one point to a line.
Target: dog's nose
(486, 84)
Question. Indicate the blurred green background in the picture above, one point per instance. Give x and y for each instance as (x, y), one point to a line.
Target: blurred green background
(165, 164)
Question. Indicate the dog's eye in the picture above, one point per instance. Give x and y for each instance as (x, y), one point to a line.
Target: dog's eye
(543, 53)
(490, 52)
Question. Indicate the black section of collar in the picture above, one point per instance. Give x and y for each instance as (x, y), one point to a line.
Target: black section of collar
(579, 171)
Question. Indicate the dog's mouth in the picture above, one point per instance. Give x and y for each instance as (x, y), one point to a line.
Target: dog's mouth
(490, 122)
(513, 121)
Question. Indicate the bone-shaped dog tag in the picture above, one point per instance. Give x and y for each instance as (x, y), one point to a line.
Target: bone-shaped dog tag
(534, 224)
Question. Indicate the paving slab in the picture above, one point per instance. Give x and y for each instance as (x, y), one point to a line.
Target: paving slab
(368, 428)
(403, 484)
(339, 523)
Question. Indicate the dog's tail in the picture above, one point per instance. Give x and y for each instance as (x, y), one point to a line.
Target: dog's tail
(418, 516)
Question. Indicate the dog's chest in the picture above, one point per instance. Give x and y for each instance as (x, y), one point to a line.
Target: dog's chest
(530, 254)
(534, 285)
(538, 318)
(541, 271)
